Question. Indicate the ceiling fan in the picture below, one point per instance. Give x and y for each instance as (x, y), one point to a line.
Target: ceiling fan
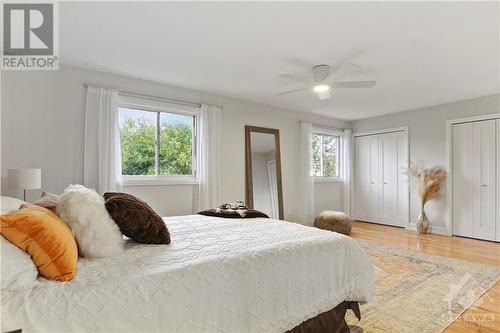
(323, 80)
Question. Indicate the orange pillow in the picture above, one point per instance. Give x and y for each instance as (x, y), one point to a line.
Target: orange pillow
(45, 237)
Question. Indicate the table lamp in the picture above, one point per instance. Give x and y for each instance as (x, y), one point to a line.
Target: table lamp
(24, 179)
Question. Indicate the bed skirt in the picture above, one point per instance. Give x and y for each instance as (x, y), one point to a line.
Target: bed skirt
(332, 321)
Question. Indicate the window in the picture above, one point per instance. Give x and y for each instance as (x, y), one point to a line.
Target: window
(157, 144)
(326, 155)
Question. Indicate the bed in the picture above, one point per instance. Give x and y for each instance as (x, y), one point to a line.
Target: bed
(217, 275)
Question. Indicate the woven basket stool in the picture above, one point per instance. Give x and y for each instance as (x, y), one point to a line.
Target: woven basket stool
(333, 221)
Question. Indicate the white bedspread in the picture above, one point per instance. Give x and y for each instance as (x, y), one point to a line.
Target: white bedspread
(217, 275)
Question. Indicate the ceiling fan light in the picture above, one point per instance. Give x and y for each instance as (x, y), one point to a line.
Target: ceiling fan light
(321, 88)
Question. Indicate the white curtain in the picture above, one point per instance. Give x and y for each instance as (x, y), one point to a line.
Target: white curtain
(306, 187)
(348, 170)
(102, 159)
(209, 157)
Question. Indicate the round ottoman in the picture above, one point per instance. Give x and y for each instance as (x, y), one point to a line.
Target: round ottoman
(333, 221)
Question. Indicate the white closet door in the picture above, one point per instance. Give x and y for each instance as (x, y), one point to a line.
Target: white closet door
(389, 191)
(375, 182)
(402, 180)
(361, 178)
(463, 179)
(498, 181)
(392, 202)
(485, 180)
(380, 186)
(474, 179)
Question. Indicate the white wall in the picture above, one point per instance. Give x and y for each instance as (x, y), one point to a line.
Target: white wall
(328, 196)
(427, 134)
(42, 126)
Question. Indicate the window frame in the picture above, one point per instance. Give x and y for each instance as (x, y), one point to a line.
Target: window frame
(159, 106)
(316, 130)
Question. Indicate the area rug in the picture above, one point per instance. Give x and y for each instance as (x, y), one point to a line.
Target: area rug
(418, 292)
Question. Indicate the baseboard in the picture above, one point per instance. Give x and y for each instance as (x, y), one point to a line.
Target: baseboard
(436, 230)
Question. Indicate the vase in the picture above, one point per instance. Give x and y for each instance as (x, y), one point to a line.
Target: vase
(423, 222)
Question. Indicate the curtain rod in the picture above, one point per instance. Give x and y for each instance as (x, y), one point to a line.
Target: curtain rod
(169, 100)
(328, 127)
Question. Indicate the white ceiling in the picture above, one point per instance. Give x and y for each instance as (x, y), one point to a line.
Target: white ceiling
(420, 53)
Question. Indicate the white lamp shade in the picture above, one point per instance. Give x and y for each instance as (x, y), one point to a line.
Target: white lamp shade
(24, 179)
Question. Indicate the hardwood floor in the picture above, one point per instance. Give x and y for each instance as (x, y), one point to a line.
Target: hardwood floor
(484, 252)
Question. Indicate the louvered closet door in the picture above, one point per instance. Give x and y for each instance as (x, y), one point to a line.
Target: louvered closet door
(361, 178)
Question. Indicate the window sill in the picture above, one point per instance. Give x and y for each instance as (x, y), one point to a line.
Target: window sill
(327, 180)
(159, 181)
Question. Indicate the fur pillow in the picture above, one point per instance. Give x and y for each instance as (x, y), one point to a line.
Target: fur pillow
(96, 233)
(136, 219)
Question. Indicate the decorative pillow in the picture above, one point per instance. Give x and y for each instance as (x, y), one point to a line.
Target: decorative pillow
(47, 200)
(136, 219)
(234, 213)
(18, 270)
(10, 204)
(95, 232)
(45, 237)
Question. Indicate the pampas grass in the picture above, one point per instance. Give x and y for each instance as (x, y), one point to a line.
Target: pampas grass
(426, 182)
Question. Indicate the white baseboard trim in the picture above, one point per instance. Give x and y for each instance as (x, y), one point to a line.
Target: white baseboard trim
(436, 230)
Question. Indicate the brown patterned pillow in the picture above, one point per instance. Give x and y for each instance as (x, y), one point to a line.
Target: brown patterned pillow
(136, 219)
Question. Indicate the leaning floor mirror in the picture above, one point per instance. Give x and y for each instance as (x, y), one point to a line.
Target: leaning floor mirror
(263, 171)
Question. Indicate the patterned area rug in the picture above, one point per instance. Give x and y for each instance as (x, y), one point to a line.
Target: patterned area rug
(418, 292)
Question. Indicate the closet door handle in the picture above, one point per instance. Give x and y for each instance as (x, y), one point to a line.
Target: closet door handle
(484, 185)
(385, 183)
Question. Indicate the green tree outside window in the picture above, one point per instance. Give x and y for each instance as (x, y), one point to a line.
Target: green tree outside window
(325, 150)
(138, 133)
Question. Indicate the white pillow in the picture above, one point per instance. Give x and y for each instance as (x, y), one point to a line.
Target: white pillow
(95, 232)
(8, 204)
(18, 270)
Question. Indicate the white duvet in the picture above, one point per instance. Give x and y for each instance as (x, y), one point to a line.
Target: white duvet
(217, 275)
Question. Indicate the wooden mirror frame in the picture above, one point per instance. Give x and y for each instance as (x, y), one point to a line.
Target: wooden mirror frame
(248, 165)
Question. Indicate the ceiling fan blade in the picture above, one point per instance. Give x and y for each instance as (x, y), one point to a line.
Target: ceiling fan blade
(291, 91)
(354, 84)
(347, 68)
(293, 77)
(324, 95)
